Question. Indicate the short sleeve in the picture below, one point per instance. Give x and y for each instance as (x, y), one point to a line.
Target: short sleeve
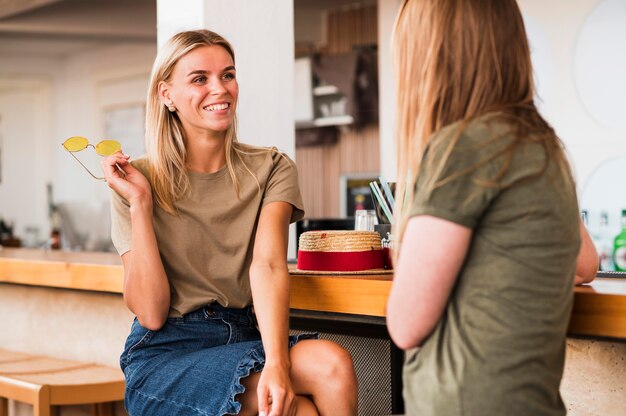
(282, 185)
(120, 223)
(463, 187)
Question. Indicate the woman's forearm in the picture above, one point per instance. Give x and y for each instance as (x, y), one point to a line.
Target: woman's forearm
(146, 288)
(270, 292)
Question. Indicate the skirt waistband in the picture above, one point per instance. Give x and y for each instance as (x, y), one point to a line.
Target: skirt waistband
(214, 310)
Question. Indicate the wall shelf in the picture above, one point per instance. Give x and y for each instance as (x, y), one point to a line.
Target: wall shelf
(342, 120)
(325, 90)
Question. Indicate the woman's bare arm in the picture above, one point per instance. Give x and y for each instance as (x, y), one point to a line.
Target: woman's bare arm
(430, 259)
(146, 288)
(269, 279)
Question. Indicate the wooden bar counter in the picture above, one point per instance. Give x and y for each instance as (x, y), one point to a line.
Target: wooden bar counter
(599, 308)
(68, 305)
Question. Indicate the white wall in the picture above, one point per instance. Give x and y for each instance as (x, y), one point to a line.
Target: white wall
(583, 66)
(91, 83)
(556, 31)
(24, 115)
(45, 100)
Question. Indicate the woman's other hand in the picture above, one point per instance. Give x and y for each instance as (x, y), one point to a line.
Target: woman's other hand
(275, 393)
(587, 261)
(125, 179)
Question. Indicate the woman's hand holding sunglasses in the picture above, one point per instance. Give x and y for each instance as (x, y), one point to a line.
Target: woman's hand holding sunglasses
(121, 176)
(126, 180)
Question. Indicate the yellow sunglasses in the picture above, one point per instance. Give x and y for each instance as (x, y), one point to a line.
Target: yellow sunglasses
(104, 148)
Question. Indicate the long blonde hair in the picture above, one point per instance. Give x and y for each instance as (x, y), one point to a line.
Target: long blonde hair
(456, 60)
(165, 141)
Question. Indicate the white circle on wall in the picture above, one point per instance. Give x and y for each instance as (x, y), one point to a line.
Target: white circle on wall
(602, 192)
(541, 57)
(600, 63)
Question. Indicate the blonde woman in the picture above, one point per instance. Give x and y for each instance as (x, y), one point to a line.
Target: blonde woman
(491, 235)
(201, 226)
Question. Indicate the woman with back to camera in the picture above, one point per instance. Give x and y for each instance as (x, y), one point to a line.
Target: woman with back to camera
(201, 225)
(491, 237)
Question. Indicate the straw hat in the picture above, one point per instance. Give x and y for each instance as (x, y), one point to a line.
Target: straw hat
(340, 251)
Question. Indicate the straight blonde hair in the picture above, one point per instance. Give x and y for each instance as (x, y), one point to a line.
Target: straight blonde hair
(165, 142)
(456, 60)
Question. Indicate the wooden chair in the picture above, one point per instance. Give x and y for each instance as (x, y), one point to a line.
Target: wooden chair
(45, 382)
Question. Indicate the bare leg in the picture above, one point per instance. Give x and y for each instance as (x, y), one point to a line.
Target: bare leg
(321, 370)
(324, 371)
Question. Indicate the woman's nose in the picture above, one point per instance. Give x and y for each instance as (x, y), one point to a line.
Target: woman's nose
(216, 86)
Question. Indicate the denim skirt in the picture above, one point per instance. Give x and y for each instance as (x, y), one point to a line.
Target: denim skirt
(194, 364)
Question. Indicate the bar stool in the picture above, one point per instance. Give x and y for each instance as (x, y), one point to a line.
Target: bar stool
(45, 382)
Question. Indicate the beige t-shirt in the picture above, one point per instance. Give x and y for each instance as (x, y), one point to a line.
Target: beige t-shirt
(499, 346)
(207, 248)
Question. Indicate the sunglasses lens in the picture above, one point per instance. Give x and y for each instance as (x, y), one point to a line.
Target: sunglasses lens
(75, 144)
(107, 147)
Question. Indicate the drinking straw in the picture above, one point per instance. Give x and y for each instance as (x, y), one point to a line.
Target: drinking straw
(385, 185)
(383, 204)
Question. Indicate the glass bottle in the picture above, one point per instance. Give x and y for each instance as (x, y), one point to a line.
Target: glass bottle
(55, 231)
(619, 245)
(584, 216)
(604, 243)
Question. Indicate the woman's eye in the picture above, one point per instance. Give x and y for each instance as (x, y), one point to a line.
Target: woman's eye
(199, 80)
(228, 76)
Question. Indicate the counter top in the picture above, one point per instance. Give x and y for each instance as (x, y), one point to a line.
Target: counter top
(599, 308)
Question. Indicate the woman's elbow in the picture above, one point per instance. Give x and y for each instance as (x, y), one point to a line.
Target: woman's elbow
(586, 269)
(401, 334)
(580, 279)
(152, 322)
(403, 341)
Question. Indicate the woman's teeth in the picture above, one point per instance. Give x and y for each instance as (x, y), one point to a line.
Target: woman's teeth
(217, 107)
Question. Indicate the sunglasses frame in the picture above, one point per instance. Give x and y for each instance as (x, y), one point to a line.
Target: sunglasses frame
(71, 152)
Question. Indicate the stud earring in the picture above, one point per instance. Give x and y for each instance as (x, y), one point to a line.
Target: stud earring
(170, 106)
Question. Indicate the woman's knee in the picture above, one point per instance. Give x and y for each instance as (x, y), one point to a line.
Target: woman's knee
(327, 360)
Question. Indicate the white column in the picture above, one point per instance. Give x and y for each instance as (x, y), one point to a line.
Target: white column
(387, 11)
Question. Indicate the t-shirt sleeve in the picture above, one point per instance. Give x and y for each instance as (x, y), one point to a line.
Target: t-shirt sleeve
(282, 185)
(120, 223)
(463, 186)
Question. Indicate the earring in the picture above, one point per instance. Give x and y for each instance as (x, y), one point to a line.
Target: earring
(170, 106)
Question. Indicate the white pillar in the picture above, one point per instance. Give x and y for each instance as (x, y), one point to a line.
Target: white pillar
(387, 11)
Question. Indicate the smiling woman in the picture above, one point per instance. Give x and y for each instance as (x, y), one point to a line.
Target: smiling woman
(201, 226)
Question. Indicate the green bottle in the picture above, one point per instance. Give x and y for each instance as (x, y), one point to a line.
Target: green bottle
(619, 247)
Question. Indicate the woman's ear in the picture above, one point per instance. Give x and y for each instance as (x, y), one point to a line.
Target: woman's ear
(164, 96)
(164, 92)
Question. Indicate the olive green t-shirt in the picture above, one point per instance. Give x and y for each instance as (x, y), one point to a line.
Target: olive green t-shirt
(207, 248)
(499, 346)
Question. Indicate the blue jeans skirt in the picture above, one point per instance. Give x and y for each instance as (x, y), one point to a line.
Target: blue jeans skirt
(194, 364)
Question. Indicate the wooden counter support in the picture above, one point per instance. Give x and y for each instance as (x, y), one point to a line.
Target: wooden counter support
(347, 294)
(600, 309)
